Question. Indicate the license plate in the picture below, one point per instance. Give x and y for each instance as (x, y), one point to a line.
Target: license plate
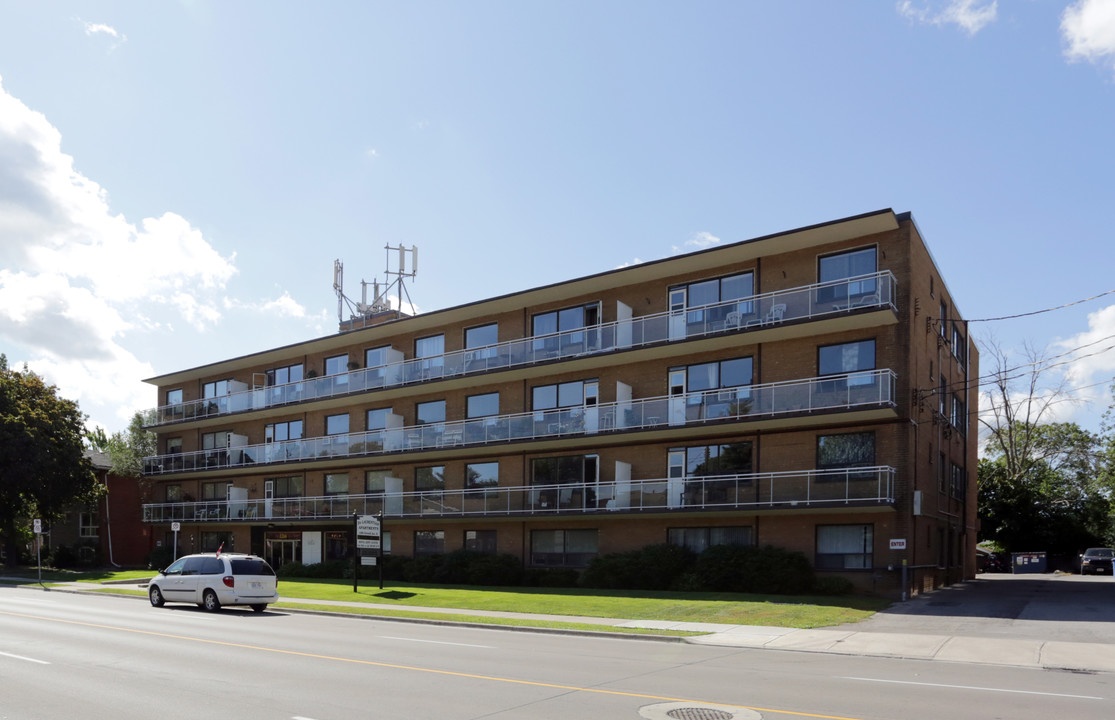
(256, 585)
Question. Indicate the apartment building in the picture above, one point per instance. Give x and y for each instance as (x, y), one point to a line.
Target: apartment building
(813, 390)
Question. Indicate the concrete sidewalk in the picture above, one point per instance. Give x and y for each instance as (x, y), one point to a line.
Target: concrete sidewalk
(845, 640)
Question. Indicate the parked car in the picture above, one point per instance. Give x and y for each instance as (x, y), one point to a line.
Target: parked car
(1096, 561)
(213, 580)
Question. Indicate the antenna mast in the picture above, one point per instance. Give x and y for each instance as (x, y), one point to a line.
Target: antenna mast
(380, 302)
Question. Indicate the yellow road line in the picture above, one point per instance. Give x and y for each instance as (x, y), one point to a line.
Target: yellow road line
(435, 671)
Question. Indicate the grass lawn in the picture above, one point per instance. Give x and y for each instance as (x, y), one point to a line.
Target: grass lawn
(769, 610)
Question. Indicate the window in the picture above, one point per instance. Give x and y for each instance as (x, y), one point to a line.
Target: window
(943, 320)
(87, 525)
(431, 412)
(336, 365)
(942, 473)
(701, 382)
(376, 419)
(287, 487)
(284, 375)
(959, 347)
(429, 542)
(210, 541)
(429, 478)
(545, 327)
(562, 548)
(215, 440)
(375, 481)
(278, 432)
(696, 297)
(481, 541)
(336, 424)
(959, 415)
(482, 475)
(376, 357)
(336, 483)
(216, 388)
(844, 547)
(482, 336)
(214, 490)
(429, 347)
(483, 405)
(706, 460)
(173, 493)
(173, 397)
(173, 446)
(848, 450)
(956, 481)
(699, 538)
(846, 358)
(564, 470)
(568, 394)
(839, 267)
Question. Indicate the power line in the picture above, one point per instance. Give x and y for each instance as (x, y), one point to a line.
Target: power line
(1039, 312)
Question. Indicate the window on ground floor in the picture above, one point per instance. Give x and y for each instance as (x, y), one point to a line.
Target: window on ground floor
(562, 548)
(429, 542)
(844, 547)
(482, 541)
(210, 541)
(699, 538)
(87, 525)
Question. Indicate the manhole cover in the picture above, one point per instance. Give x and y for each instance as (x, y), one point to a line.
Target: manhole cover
(699, 713)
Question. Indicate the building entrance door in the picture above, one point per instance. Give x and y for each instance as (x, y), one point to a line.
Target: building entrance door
(280, 550)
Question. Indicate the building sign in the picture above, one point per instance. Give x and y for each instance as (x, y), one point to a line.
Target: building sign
(898, 543)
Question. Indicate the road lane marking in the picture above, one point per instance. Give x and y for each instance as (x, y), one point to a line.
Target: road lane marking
(974, 687)
(20, 657)
(435, 642)
(413, 668)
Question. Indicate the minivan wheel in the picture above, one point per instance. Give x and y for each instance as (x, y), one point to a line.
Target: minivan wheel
(210, 602)
(259, 608)
(156, 596)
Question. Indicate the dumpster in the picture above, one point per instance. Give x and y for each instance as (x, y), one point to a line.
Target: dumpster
(1031, 562)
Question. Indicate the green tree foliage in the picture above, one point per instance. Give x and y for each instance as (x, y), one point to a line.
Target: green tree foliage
(127, 449)
(42, 464)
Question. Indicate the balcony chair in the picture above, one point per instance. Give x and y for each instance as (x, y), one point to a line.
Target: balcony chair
(773, 316)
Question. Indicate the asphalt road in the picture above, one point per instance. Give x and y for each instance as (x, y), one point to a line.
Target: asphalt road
(1068, 608)
(65, 656)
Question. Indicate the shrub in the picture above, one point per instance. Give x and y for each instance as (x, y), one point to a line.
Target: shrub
(550, 577)
(655, 567)
(749, 569)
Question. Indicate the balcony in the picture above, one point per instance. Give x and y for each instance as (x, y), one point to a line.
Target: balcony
(758, 491)
(831, 393)
(868, 292)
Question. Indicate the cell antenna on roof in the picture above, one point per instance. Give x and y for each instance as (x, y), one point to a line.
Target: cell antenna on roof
(380, 302)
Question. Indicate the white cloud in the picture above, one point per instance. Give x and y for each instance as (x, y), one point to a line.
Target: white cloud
(697, 241)
(1088, 26)
(79, 282)
(970, 15)
(92, 29)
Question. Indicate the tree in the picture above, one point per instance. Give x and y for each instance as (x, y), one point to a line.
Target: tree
(126, 450)
(1042, 484)
(43, 468)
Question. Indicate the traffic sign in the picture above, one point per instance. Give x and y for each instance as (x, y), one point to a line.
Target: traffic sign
(175, 526)
(367, 526)
(367, 543)
(38, 524)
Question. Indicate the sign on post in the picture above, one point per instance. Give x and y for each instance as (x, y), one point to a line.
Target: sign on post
(367, 543)
(38, 526)
(367, 526)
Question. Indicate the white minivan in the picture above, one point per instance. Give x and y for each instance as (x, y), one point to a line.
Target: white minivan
(212, 580)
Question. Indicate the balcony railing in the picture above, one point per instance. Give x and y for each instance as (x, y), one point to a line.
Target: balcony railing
(869, 389)
(805, 488)
(824, 299)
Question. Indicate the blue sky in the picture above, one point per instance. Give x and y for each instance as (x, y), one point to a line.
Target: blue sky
(177, 178)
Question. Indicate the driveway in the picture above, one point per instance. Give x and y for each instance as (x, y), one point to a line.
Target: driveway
(1067, 608)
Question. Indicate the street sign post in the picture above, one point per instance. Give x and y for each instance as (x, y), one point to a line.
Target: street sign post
(367, 530)
(37, 526)
(175, 527)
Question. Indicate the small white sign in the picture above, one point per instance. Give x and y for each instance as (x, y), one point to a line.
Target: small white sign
(369, 560)
(175, 526)
(38, 525)
(367, 543)
(367, 526)
(898, 543)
